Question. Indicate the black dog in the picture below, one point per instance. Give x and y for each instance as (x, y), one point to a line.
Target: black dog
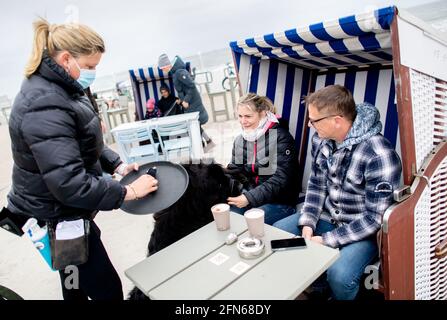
(209, 184)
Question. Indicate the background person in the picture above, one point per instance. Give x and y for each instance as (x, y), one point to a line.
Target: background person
(152, 110)
(58, 150)
(168, 102)
(264, 155)
(187, 91)
(354, 173)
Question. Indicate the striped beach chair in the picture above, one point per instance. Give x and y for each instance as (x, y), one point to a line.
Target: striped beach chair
(381, 56)
(146, 83)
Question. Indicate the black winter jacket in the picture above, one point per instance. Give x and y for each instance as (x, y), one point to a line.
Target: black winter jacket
(187, 90)
(58, 150)
(273, 178)
(164, 104)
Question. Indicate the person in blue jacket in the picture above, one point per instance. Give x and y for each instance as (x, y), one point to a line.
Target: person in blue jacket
(187, 92)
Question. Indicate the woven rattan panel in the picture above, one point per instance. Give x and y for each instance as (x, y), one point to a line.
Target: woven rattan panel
(423, 102)
(440, 113)
(430, 230)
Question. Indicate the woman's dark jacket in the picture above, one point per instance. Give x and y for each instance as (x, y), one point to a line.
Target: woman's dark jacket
(58, 150)
(164, 104)
(273, 177)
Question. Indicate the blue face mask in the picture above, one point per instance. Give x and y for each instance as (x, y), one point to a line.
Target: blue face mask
(86, 76)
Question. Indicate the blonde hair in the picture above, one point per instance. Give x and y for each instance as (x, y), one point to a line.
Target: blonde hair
(76, 38)
(259, 103)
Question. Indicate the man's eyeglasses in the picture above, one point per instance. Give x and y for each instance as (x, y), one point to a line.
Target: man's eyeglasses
(312, 122)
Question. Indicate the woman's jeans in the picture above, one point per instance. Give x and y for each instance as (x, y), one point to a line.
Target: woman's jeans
(272, 212)
(345, 274)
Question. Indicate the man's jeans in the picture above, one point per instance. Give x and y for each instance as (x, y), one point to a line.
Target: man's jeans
(345, 274)
(272, 212)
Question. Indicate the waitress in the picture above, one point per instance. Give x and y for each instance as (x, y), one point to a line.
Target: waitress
(58, 150)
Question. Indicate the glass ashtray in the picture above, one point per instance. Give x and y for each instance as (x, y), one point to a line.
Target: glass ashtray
(250, 248)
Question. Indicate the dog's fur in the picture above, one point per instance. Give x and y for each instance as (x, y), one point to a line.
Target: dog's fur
(209, 184)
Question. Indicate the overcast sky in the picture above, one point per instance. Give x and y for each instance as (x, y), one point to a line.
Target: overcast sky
(137, 31)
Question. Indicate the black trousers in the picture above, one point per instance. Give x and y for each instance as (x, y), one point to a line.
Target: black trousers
(204, 135)
(98, 279)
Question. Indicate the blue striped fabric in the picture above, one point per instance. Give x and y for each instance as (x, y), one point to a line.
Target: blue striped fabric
(353, 51)
(354, 40)
(146, 83)
(375, 85)
(286, 84)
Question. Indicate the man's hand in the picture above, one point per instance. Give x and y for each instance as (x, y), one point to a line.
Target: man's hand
(317, 239)
(307, 232)
(185, 104)
(240, 201)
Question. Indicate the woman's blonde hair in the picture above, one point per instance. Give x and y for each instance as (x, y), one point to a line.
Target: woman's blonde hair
(76, 38)
(257, 103)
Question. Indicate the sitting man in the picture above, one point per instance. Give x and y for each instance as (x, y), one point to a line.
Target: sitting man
(354, 173)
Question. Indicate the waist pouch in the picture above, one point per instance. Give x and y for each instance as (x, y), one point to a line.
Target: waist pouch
(69, 243)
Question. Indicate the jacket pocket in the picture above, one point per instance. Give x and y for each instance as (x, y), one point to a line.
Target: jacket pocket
(353, 181)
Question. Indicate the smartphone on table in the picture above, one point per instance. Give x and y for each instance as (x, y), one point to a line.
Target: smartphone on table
(286, 244)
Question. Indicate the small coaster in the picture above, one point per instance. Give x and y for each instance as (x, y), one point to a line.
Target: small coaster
(219, 258)
(239, 268)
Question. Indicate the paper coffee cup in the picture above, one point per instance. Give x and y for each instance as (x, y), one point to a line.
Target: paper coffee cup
(255, 222)
(221, 214)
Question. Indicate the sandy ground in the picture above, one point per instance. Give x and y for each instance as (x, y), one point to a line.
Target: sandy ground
(125, 236)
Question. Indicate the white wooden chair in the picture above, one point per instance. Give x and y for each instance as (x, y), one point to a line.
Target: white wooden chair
(175, 140)
(129, 143)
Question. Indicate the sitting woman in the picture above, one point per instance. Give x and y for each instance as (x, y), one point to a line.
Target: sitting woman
(265, 159)
(168, 103)
(152, 110)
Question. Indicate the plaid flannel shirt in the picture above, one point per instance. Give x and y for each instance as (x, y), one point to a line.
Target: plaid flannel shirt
(350, 187)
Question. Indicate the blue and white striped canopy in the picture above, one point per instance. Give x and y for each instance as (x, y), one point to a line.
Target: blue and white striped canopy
(148, 74)
(360, 39)
(353, 51)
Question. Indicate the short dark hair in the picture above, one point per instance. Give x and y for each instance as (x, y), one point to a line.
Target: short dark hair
(334, 99)
(164, 87)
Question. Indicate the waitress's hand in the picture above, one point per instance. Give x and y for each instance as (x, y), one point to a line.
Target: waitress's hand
(130, 167)
(103, 127)
(141, 187)
(240, 201)
(123, 169)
